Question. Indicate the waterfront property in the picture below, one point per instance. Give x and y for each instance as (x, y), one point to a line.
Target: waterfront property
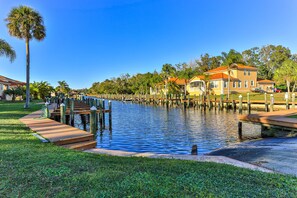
(8, 83)
(266, 85)
(162, 88)
(242, 79)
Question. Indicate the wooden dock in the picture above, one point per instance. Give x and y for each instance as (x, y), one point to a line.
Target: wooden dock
(58, 133)
(273, 124)
(277, 118)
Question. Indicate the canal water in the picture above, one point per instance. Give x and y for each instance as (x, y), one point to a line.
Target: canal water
(146, 128)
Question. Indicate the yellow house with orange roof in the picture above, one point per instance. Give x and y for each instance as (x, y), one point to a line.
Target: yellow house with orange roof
(242, 79)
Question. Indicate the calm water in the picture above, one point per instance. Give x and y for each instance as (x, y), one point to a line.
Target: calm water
(142, 128)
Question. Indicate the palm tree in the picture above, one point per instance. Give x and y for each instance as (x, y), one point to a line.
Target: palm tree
(7, 50)
(229, 69)
(25, 23)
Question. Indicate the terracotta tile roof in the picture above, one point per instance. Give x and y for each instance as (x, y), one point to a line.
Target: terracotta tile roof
(224, 68)
(217, 76)
(11, 82)
(178, 81)
(265, 81)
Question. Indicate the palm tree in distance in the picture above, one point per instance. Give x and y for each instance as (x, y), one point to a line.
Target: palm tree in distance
(7, 50)
(229, 69)
(25, 23)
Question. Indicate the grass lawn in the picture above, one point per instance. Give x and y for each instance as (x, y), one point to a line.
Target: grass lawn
(29, 168)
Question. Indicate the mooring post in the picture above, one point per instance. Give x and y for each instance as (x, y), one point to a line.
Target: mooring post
(240, 104)
(62, 112)
(266, 103)
(287, 100)
(109, 115)
(93, 127)
(271, 102)
(208, 101)
(194, 150)
(215, 101)
(240, 130)
(248, 103)
(47, 114)
(103, 114)
(72, 112)
(293, 101)
(221, 102)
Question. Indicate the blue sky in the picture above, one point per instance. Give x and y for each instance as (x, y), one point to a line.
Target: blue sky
(92, 40)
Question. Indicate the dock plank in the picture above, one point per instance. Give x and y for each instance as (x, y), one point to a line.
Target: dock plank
(57, 132)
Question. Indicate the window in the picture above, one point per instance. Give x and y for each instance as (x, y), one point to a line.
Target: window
(1, 87)
(249, 72)
(225, 84)
(244, 72)
(246, 84)
(239, 84)
(214, 84)
(252, 83)
(234, 84)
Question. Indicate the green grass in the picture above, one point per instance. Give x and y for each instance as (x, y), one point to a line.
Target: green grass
(29, 168)
(292, 116)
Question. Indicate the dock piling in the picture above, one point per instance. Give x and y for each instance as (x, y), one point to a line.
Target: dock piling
(93, 127)
(62, 113)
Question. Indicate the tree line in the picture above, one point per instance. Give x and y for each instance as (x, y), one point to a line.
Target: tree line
(270, 60)
(41, 90)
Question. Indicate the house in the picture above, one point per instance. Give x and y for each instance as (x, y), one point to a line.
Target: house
(8, 83)
(162, 88)
(266, 85)
(242, 79)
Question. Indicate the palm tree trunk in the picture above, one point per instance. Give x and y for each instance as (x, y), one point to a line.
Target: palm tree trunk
(288, 86)
(228, 84)
(27, 74)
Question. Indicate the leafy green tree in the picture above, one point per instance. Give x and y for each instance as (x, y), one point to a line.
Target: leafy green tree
(14, 92)
(232, 57)
(271, 58)
(25, 23)
(207, 62)
(40, 90)
(286, 72)
(251, 57)
(186, 73)
(7, 50)
(63, 88)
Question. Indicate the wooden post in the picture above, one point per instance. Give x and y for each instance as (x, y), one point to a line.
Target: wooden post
(271, 102)
(266, 103)
(47, 114)
(240, 130)
(72, 112)
(248, 103)
(240, 104)
(287, 100)
(93, 127)
(234, 105)
(194, 150)
(293, 101)
(103, 114)
(208, 101)
(109, 115)
(215, 103)
(221, 102)
(62, 113)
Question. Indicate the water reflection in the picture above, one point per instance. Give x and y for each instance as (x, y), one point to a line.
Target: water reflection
(142, 128)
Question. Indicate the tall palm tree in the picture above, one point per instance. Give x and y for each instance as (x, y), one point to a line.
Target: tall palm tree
(229, 69)
(25, 23)
(6, 50)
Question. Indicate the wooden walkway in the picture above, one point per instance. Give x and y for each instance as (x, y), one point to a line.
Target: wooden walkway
(59, 134)
(277, 118)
